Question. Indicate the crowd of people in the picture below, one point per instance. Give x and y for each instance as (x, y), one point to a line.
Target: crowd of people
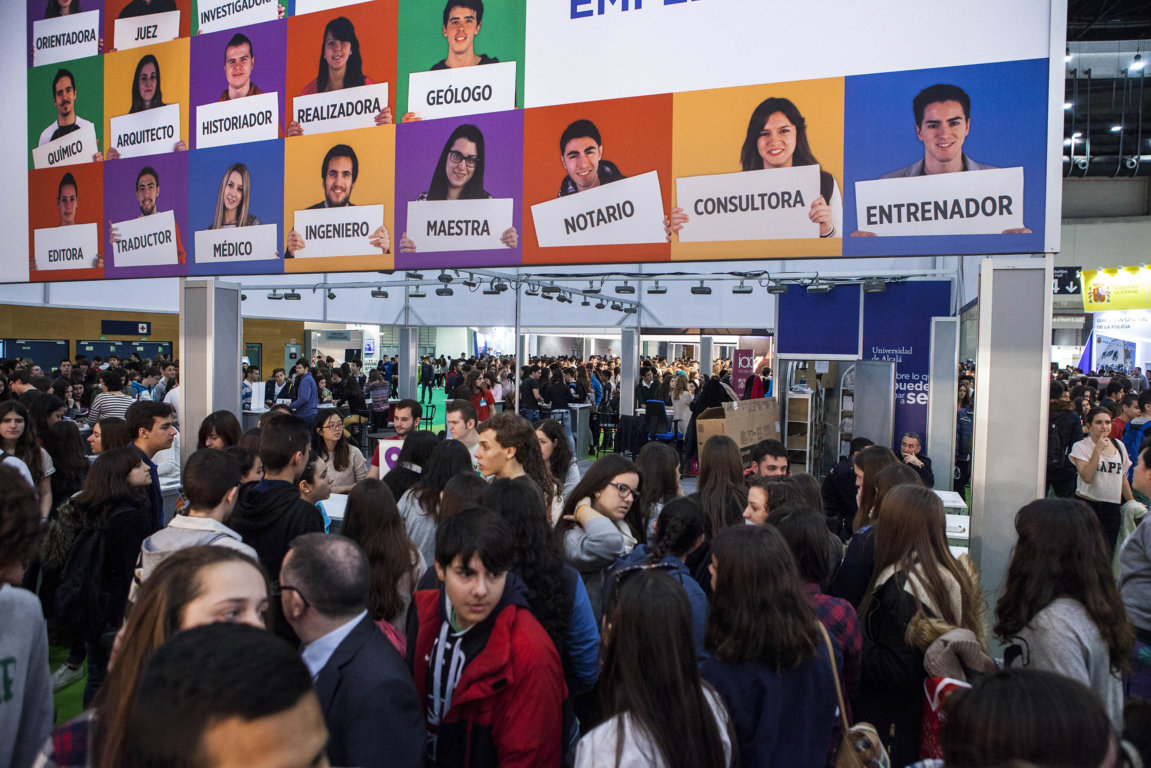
(487, 597)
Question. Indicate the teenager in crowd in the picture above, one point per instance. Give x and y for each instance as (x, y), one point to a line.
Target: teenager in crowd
(1102, 465)
(557, 453)
(411, 463)
(346, 464)
(219, 430)
(658, 466)
(316, 486)
(18, 440)
(722, 493)
(419, 506)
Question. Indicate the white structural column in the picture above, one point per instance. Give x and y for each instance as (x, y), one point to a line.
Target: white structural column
(629, 369)
(706, 354)
(1011, 393)
(409, 360)
(942, 397)
(211, 344)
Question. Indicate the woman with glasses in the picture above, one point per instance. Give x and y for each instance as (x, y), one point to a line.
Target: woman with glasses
(459, 175)
(592, 529)
(346, 465)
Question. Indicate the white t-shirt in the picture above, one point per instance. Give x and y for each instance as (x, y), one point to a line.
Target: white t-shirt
(1108, 483)
(46, 134)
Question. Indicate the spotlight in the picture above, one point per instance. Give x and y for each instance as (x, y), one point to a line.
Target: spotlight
(1138, 63)
(417, 293)
(657, 289)
(819, 287)
(630, 310)
(600, 304)
(625, 288)
(701, 289)
(445, 291)
(776, 288)
(499, 286)
(563, 298)
(274, 296)
(292, 296)
(548, 296)
(532, 290)
(470, 282)
(617, 306)
(243, 297)
(414, 275)
(586, 302)
(331, 295)
(444, 277)
(1067, 53)
(874, 285)
(379, 293)
(491, 292)
(741, 288)
(1067, 105)
(551, 288)
(1116, 128)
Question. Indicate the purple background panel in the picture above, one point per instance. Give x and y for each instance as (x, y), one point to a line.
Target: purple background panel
(418, 148)
(36, 13)
(269, 43)
(120, 204)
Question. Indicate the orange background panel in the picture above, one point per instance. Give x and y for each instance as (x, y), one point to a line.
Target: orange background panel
(636, 136)
(112, 9)
(376, 24)
(303, 187)
(120, 71)
(42, 212)
(710, 127)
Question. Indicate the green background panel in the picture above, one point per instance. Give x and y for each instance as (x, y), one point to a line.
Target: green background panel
(89, 74)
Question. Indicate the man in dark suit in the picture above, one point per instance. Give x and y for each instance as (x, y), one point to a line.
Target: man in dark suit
(369, 701)
(909, 450)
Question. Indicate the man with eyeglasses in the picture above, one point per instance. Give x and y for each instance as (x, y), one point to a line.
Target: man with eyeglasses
(64, 93)
(581, 154)
(462, 21)
(147, 195)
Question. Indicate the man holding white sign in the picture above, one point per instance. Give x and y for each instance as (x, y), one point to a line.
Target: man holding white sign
(581, 153)
(459, 175)
(67, 121)
(339, 172)
(147, 193)
(76, 249)
(942, 122)
(239, 61)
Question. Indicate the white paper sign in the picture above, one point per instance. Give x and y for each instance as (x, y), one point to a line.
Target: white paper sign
(311, 6)
(215, 15)
(146, 30)
(965, 203)
(72, 247)
(458, 225)
(229, 244)
(148, 241)
(389, 449)
(70, 149)
(628, 211)
(65, 37)
(257, 396)
(338, 231)
(251, 118)
(463, 90)
(340, 110)
(770, 204)
(151, 132)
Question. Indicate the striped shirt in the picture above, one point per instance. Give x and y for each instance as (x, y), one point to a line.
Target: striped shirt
(108, 404)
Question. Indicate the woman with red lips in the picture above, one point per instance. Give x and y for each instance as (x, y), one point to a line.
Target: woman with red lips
(777, 138)
(459, 175)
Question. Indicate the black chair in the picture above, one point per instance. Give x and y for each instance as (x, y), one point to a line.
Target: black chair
(608, 425)
(661, 427)
(429, 416)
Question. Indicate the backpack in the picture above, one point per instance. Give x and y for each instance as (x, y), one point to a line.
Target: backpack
(82, 599)
(1056, 453)
(1133, 437)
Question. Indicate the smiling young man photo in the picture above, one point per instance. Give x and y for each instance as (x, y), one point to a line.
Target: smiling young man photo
(462, 21)
(942, 122)
(581, 154)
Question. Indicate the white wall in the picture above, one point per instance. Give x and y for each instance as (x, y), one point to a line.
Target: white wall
(452, 340)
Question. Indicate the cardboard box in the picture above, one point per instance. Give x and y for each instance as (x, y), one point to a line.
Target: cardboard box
(747, 422)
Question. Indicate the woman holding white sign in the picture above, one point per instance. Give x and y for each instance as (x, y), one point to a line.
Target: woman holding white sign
(147, 94)
(777, 138)
(233, 199)
(459, 175)
(340, 67)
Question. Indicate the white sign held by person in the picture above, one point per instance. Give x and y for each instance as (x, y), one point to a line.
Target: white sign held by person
(770, 204)
(458, 225)
(229, 244)
(76, 147)
(628, 211)
(340, 110)
(338, 231)
(215, 15)
(965, 203)
(311, 6)
(389, 454)
(72, 247)
(462, 90)
(65, 37)
(146, 30)
(236, 121)
(151, 132)
(148, 241)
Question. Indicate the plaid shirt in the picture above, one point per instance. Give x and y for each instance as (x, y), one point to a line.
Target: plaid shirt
(842, 624)
(69, 745)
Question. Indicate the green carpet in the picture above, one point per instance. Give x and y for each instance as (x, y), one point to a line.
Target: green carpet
(68, 702)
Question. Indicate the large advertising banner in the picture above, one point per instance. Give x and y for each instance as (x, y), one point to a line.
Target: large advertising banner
(66, 227)
(897, 328)
(1116, 288)
(339, 201)
(64, 102)
(56, 36)
(458, 190)
(134, 23)
(597, 149)
(761, 169)
(439, 52)
(237, 85)
(146, 213)
(235, 209)
(146, 104)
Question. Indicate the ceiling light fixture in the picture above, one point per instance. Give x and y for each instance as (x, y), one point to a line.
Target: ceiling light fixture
(874, 285)
(741, 288)
(551, 288)
(1138, 63)
(417, 293)
(600, 304)
(444, 277)
(701, 289)
(275, 296)
(444, 290)
(618, 307)
(331, 295)
(818, 286)
(414, 275)
(776, 288)
(292, 296)
(625, 288)
(657, 289)
(379, 293)
(470, 282)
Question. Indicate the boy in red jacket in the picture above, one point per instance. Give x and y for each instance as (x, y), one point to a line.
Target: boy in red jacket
(489, 675)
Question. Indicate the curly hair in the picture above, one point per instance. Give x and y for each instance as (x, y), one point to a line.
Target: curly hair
(514, 431)
(1060, 553)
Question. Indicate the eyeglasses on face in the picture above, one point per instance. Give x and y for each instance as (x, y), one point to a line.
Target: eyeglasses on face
(624, 490)
(459, 157)
(279, 590)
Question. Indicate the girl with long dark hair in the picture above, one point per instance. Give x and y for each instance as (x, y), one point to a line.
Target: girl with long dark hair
(346, 464)
(420, 505)
(1060, 606)
(558, 454)
(722, 492)
(66, 448)
(219, 430)
(592, 530)
(1102, 464)
(108, 433)
(372, 520)
(769, 662)
(411, 462)
(147, 93)
(658, 466)
(18, 439)
(659, 710)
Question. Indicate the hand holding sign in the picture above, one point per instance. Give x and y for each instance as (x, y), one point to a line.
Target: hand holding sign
(381, 239)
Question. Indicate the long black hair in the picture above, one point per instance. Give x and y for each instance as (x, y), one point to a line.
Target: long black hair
(598, 476)
(449, 458)
(680, 525)
(344, 31)
(53, 9)
(138, 100)
(27, 447)
(66, 448)
(412, 461)
(749, 157)
(657, 464)
(474, 188)
(106, 486)
(562, 455)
